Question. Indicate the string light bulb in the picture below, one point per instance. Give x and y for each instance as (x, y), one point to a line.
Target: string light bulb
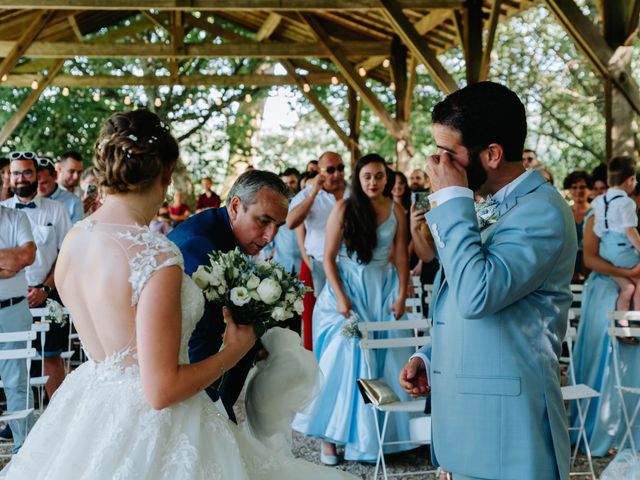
(4, 77)
(306, 87)
(158, 102)
(386, 63)
(334, 80)
(248, 98)
(65, 92)
(34, 85)
(218, 101)
(127, 100)
(392, 87)
(362, 71)
(96, 97)
(188, 102)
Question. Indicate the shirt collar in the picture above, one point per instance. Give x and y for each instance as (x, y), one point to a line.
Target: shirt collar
(501, 194)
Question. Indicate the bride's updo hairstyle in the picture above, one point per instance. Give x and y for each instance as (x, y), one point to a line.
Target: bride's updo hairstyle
(132, 150)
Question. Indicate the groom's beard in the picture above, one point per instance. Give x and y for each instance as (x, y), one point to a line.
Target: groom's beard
(476, 174)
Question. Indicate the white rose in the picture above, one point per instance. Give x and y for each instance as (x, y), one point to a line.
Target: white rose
(289, 298)
(236, 273)
(278, 273)
(221, 289)
(269, 291)
(278, 314)
(253, 282)
(298, 306)
(201, 277)
(240, 296)
(216, 277)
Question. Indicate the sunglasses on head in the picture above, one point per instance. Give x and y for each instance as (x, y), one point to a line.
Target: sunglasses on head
(332, 170)
(22, 155)
(44, 162)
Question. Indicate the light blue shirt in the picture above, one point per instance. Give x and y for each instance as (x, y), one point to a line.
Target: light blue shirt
(71, 202)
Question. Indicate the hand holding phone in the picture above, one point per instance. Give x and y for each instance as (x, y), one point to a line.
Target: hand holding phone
(421, 200)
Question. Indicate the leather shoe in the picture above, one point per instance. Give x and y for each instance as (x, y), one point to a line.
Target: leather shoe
(6, 434)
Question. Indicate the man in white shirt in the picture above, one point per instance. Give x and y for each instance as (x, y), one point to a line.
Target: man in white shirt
(49, 223)
(69, 172)
(312, 207)
(17, 251)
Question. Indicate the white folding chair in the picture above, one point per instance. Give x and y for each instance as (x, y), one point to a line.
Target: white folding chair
(27, 354)
(615, 332)
(576, 303)
(582, 395)
(412, 406)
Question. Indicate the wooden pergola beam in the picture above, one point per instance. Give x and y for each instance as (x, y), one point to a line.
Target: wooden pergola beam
(32, 98)
(73, 23)
(204, 5)
(247, 50)
(339, 58)
(472, 39)
(268, 27)
(591, 42)
(18, 48)
(418, 46)
(102, 81)
(316, 102)
(215, 30)
(491, 35)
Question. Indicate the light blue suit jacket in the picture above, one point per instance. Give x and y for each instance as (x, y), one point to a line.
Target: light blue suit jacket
(499, 317)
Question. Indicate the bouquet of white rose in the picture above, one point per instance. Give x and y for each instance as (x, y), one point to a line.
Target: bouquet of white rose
(256, 292)
(55, 313)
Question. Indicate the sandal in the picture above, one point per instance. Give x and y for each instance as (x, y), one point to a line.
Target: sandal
(627, 340)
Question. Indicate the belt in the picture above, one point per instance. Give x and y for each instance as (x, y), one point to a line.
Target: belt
(11, 301)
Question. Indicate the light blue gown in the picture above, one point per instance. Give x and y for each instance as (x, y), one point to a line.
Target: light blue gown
(339, 415)
(593, 360)
(287, 252)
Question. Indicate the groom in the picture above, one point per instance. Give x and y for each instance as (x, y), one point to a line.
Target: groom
(256, 207)
(502, 296)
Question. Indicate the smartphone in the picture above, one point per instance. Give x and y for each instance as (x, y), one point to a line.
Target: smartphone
(92, 190)
(421, 200)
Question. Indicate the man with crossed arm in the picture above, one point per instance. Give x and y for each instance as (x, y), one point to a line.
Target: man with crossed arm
(17, 251)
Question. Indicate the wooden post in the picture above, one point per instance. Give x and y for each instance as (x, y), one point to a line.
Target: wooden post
(355, 112)
(404, 148)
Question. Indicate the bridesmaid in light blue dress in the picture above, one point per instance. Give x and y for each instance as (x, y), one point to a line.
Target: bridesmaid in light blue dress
(362, 232)
(593, 357)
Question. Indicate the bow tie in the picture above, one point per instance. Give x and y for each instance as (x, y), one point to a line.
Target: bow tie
(25, 205)
(486, 211)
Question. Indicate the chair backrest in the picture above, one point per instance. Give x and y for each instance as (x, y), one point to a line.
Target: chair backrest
(618, 331)
(569, 338)
(18, 353)
(414, 339)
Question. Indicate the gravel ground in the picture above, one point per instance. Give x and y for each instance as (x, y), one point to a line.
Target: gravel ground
(415, 460)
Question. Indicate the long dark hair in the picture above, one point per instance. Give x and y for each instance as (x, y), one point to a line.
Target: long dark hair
(405, 201)
(359, 223)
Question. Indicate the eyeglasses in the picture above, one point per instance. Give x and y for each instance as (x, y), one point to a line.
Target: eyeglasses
(578, 187)
(22, 155)
(24, 173)
(332, 170)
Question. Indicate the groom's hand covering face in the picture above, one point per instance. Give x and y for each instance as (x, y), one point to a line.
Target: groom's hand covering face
(452, 165)
(256, 225)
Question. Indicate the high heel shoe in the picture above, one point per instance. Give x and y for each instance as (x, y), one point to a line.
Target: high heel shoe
(331, 460)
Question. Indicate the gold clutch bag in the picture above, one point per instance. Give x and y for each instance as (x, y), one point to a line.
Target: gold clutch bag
(376, 391)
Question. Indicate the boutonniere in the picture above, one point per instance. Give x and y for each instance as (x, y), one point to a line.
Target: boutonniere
(487, 212)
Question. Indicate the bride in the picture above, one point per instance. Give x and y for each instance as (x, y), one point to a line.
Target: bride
(136, 409)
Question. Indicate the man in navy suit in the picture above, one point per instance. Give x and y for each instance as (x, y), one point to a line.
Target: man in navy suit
(256, 207)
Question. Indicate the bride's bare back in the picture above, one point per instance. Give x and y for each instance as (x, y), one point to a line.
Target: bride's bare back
(101, 271)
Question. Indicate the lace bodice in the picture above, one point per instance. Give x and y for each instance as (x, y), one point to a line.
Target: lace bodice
(147, 253)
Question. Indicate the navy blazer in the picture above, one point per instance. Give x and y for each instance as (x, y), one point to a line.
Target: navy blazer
(196, 237)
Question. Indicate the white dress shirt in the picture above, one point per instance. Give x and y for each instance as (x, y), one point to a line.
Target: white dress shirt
(316, 220)
(15, 232)
(50, 223)
(621, 213)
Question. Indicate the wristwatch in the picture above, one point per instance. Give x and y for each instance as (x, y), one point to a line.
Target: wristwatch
(45, 288)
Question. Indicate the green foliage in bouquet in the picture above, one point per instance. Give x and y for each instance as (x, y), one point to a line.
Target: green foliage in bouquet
(257, 292)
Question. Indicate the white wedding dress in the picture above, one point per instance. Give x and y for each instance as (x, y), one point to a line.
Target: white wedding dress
(100, 426)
